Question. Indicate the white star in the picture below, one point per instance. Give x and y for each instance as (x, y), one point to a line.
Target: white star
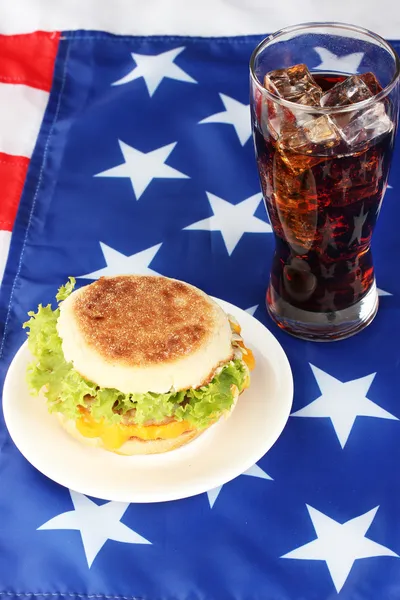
(379, 170)
(342, 403)
(383, 293)
(142, 167)
(232, 220)
(328, 272)
(357, 287)
(153, 69)
(389, 187)
(236, 114)
(340, 544)
(349, 63)
(358, 225)
(96, 524)
(254, 471)
(328, 237)
(326, 170)
(345, 181)
(327, 301)
(353, 265)
(119, 264)
(252, 309)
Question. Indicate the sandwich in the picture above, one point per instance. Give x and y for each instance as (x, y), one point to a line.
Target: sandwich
(137, 364)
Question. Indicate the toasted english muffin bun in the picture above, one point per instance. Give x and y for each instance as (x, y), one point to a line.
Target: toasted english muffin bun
(144, 333)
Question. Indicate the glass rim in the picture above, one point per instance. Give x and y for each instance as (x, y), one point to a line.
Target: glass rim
(325, 110)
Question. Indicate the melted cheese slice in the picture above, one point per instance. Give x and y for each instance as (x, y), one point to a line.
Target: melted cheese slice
(249, 359)
(115, 435)
(248, 356)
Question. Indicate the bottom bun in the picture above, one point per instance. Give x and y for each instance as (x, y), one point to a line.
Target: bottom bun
(138, 446)
(135, 445)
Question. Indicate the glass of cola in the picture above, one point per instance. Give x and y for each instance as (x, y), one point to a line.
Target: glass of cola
(324, 110)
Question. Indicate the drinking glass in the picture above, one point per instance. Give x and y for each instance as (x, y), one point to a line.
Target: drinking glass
(323, 156)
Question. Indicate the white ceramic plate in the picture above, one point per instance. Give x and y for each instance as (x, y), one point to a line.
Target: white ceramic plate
(223, 452)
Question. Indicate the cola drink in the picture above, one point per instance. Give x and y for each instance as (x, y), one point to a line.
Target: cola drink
(323, 178)
(323, 143)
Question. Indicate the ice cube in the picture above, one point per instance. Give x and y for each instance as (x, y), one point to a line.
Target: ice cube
(371, 82)
(304, 146)
(367, 125)
(351, 90)
(310, 98)
(295, 84)
(299, 163)
(296, 206)
(313, 137)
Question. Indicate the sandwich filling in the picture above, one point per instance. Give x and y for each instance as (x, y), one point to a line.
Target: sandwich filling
(114, 416)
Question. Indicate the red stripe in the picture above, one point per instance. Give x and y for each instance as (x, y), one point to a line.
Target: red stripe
(12, 178)
(26, 59)
(29, 59)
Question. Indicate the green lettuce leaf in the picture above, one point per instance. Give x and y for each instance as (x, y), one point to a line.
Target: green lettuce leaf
(66, 290)
(65, 389)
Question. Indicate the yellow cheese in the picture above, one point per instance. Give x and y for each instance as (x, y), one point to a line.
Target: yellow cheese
(115, 435)
(236, 327)
(249, 359)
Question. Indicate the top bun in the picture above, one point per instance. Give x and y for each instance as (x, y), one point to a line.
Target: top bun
(144, 333)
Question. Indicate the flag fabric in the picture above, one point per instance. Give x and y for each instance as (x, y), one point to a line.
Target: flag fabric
(24, 90)
(137, 156)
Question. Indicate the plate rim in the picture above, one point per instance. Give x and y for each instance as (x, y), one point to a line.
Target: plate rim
(286, 378)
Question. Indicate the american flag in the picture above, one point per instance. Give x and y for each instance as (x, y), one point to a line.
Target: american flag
(136, 156)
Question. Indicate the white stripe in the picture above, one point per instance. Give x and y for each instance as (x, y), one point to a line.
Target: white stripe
(189, 17)
(21, 114)
(5, 238)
